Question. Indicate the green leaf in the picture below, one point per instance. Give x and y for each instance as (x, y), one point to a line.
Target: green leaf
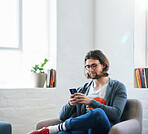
(38, 68)
(43, 64)
(41, 68)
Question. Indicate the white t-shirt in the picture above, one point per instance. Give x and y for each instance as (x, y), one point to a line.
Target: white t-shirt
(97, 94)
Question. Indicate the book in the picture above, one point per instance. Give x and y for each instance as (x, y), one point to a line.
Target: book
(51, 76)
(54, 83)
(146, 76)
(142, 78)
(48, 78)
(137, 78)
(54, 78)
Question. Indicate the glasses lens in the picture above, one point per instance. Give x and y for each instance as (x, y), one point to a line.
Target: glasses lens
(87, 67)
(93, 66)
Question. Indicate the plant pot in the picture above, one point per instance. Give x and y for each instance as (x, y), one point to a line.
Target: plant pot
(39, 79)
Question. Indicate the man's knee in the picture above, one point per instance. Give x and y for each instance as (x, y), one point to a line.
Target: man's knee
(98, 111)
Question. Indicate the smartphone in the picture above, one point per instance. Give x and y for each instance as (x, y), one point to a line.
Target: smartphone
(73, 90)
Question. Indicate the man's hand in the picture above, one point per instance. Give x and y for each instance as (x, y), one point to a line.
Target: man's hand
(79, 98)
(72, 101)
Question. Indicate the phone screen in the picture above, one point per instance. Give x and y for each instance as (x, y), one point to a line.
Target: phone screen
(72, 91)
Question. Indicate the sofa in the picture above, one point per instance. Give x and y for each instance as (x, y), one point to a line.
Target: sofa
(5, 128)
(131, 120)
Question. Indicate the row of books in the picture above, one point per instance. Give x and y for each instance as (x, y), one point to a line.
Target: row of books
(51, 78)
(141, 77)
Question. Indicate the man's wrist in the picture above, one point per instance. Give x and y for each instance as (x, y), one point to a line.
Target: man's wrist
(90, 101)
(69, 104)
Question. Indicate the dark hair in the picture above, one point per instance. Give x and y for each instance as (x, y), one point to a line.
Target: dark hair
(98, 55)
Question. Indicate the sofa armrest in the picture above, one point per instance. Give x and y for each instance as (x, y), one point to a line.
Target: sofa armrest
(5, 128)
(47, 122)
(131, 126)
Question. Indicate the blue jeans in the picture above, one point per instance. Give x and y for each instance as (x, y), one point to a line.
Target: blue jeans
(94, 122)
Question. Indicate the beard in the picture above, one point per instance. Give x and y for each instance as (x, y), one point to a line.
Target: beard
(97, 76)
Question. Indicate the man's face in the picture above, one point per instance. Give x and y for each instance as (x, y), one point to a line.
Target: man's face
(94, 68)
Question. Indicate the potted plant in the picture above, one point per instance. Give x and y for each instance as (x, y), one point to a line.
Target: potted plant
(39, 76)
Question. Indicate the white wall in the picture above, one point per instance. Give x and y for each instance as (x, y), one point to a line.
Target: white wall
(77, 34)
(75, 38)
(114, 35)
(139, 34)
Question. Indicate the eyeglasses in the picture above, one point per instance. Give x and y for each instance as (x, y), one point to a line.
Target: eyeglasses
(93, 66)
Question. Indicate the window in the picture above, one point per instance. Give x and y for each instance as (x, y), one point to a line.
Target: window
(31, 21)
(9, 33)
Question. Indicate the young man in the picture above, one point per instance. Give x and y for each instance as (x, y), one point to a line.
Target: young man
(97, 105)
